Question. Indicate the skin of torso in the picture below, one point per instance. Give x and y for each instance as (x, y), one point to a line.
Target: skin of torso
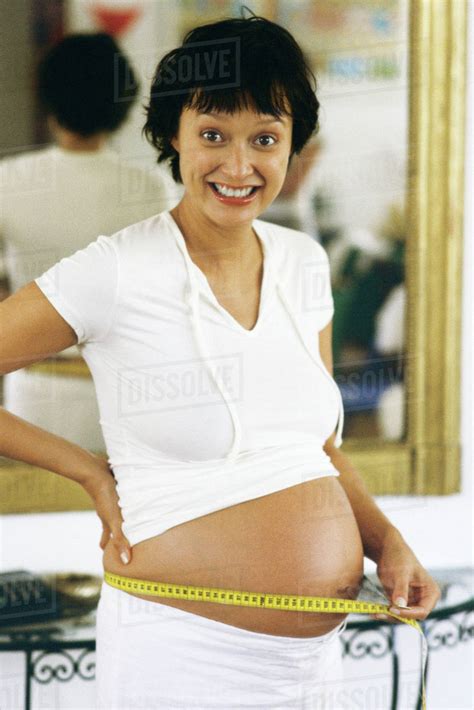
(301, 540)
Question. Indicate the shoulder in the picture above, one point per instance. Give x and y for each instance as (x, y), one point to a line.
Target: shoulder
(14, 168)
(137, 243)
(291, 245)
(144, 239)
(155, 227)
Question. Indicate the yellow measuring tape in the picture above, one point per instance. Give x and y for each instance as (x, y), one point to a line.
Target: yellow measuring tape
(285, 602)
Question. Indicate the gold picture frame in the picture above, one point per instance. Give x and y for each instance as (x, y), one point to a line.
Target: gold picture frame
(427, 461)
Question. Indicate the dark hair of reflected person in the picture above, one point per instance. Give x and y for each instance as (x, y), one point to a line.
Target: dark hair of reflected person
(87, 83)
(271, 72)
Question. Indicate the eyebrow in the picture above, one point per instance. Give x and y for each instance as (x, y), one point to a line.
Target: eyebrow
(215, 114)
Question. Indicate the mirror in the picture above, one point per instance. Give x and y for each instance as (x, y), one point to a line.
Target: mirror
(348, 191)
(383, 174)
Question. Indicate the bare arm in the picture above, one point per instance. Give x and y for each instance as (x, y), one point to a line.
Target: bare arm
(30, 330)
(404, 579)
(375, 528)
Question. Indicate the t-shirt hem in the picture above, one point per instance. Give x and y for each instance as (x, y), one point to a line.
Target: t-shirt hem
(145, 532)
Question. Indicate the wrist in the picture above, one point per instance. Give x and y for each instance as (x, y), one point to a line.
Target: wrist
(391, 536)
(96, 475)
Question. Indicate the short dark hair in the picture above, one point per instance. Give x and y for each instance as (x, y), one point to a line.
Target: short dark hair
(271, 68)
(86, 82)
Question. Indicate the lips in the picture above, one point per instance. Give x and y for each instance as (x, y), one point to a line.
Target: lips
(234, 200)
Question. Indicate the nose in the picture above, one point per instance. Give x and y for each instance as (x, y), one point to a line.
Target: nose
(237, 165)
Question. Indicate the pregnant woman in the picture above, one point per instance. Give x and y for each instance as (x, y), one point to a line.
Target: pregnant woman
(208, 335)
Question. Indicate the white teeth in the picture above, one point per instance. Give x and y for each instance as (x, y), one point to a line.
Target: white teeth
(228, 192)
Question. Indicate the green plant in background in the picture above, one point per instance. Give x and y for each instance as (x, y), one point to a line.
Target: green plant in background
(361, 285)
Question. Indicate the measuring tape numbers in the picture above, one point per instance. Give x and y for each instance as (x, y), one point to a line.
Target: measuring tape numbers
(285, 602)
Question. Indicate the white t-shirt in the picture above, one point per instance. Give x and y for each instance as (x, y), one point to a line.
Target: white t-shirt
(197, 412)
(54, 201)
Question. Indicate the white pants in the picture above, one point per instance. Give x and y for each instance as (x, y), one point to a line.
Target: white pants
(153, 656)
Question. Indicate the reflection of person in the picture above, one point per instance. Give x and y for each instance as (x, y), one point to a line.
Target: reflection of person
(389, 341)
(57, 199)
(211, 353)
(294, 205)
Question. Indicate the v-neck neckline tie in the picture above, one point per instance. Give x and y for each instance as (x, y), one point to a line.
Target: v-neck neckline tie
(201, 282)
(198, 284)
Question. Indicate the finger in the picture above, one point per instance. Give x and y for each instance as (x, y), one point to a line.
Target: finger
(122, 546)
(105, 537)
(401, 591)
(428, 596)
(388, 619)
(415, 612)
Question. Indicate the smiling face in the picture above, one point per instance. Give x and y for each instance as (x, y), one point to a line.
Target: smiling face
(222, 152)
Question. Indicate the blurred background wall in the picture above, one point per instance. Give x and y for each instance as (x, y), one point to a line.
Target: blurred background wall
(16, 61)
(439, 529)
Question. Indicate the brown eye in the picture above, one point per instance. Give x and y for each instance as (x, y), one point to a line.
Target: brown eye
(267, 144)
(215, 133)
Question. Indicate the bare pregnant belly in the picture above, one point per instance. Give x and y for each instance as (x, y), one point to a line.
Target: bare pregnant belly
(300, 540)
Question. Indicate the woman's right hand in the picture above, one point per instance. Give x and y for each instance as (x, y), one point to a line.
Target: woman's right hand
(102, 489)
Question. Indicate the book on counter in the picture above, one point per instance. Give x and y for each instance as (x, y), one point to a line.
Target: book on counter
(26, 598)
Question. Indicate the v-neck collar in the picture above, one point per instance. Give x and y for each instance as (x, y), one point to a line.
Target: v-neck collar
(201, 282)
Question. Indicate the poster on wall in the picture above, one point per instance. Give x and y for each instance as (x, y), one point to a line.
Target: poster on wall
(116, 18)
(116, 21)
(194, 12)
(345, 40)
(350, 41)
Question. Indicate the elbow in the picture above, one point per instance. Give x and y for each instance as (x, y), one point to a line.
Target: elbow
(330, 447)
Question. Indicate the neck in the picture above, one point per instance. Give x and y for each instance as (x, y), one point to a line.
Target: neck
(68, 140)
(211, 243)
(78, 143)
